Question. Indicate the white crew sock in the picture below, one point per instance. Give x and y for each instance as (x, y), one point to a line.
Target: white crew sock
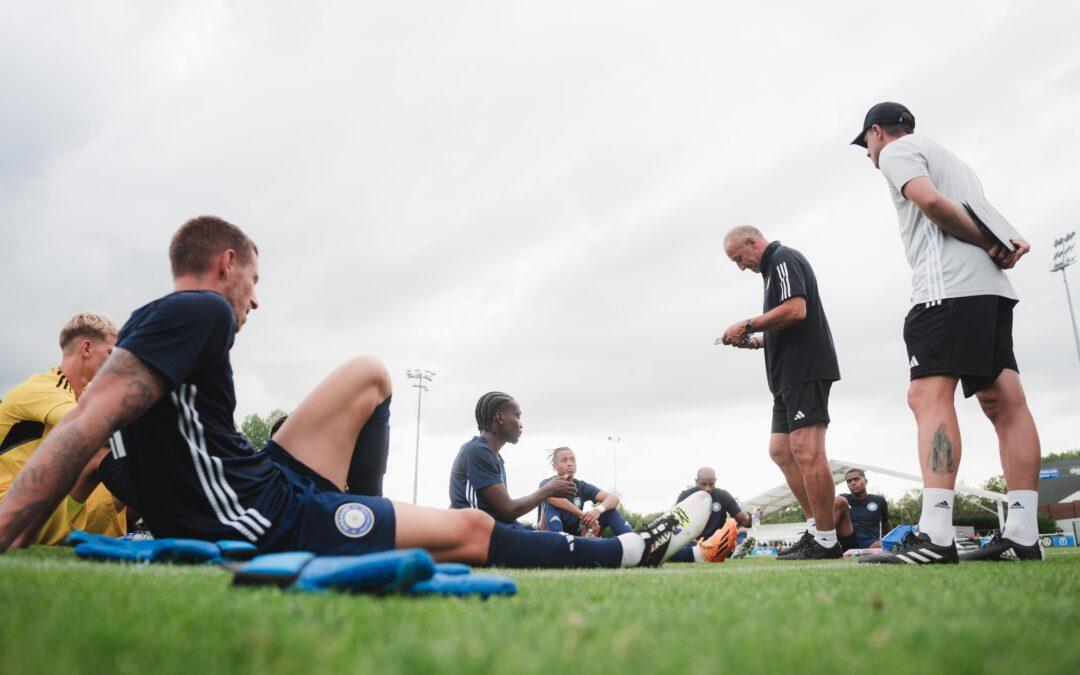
(810, 526)
(698, 555)
(936, 518)
(826, 538)
(1022, 526)
(633, 548)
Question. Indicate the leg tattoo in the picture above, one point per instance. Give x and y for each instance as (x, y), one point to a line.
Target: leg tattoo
(941, 459)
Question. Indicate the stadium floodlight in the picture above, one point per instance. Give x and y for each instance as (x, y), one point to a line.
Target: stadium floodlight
(615, 461)
(1061, 260)
(422, 377)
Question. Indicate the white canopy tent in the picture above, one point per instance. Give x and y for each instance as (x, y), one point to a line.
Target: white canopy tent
(779, 497)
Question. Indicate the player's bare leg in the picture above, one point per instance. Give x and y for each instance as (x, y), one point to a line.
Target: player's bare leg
(808, 448)
(457, 535)
(842, 517)
(931, 400)
(1005, 405)
(780, 452)
(323, 429)
(1018, 443)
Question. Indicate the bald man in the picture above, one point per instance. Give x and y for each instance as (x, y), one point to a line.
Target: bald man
(724, 505)
(801, 365)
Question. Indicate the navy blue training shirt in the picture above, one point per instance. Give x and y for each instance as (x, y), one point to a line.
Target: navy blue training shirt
(868, 516)
(476, 467)
(586, 492)
(191, 472)
(724, 506)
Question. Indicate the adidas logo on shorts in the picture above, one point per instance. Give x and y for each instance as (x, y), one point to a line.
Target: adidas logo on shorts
(799, 415)
(913, 362)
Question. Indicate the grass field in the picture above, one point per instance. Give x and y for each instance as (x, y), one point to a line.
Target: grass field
(63, 615)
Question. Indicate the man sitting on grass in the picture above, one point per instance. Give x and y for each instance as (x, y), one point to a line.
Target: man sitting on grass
(561, 514)
(31, 410)
(165, 398)
(478, 476)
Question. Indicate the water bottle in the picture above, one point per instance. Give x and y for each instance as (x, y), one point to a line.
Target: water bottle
(755, 519)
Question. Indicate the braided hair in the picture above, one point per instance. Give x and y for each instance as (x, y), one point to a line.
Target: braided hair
(553, 454)
(489, 404)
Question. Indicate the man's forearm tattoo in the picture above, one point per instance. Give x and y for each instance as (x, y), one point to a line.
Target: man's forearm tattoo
(941, 456)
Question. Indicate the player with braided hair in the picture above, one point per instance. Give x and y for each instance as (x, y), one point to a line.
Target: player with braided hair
(478, 477)
(559, 514)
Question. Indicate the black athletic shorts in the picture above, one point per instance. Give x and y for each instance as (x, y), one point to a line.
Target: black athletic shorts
(969, 338)
(801, 405)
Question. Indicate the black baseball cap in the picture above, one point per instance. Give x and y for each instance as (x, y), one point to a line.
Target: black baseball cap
(887, 112)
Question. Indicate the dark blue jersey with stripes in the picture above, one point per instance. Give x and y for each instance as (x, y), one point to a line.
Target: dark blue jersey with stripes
(803, 352)
(190, 471)
(868, 516)
(476, 467)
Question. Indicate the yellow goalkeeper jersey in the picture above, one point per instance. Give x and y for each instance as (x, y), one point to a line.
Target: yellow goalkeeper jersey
(27, 414)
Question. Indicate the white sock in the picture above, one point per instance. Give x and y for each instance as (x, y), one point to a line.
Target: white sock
(826, 538)
(698, 555)
(936, 519)
(633, 548)
(810, 526)
(1022, 526)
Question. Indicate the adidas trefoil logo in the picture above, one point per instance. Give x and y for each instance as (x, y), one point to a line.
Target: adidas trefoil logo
(799, 415)
(942, 505)
(913, 362)
(1016, 505)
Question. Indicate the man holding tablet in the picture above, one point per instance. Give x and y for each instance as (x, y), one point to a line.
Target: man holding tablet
(959, 329)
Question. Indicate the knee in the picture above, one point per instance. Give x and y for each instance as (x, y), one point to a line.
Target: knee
(475, 528)
(999, 406)
(781, 455)
(369, 372)
(805, 451)
(840, 505)
(921, 398)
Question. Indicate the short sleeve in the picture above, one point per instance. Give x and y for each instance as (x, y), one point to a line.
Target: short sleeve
(685, 493)
(43, 403)
(587, 491)
(884, 508)
(790, 279)
(728, 502)
(180, 334)
(57, 412)
(901, 162)
(482, 468)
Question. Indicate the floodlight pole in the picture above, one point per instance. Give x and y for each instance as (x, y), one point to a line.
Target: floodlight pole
(615, 461)
(422, 377)
(1062, 259)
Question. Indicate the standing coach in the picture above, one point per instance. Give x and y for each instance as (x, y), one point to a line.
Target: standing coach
(800, 363)
(958, 330)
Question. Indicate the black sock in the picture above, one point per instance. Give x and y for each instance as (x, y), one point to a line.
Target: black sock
(518, 547)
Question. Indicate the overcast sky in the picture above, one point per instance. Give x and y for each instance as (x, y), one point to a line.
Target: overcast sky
(531, 197)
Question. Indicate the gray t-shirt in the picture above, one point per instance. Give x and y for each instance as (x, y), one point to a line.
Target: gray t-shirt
(942, 266)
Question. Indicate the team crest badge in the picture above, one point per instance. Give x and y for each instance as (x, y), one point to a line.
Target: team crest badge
(354, 520)
(871, 506)
(716, 507)
(577, 502)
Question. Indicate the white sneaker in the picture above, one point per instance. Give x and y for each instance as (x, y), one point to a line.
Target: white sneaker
(675, 528)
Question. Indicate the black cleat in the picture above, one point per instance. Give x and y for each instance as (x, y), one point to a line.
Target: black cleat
(915, 550)
(805, 539)
(815, 551)
(1000, 549)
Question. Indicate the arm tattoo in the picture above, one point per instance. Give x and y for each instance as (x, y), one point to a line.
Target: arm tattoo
(941, 457)
(124, 389)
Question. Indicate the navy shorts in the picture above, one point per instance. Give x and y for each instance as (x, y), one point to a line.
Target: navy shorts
(314, 515)
(801, 405)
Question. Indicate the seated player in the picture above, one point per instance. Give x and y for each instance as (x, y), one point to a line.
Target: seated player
(31, 410)
(559, 514)
(718, 537)
(478, 476)
(166, 399)
(862, 519)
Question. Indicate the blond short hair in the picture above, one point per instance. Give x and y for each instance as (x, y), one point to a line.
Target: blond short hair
(86, 325)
